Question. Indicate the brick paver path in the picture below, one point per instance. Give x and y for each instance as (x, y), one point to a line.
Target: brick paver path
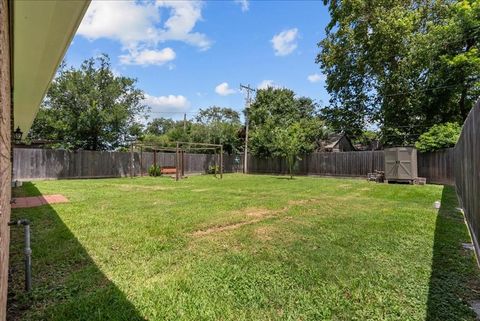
(34, 201)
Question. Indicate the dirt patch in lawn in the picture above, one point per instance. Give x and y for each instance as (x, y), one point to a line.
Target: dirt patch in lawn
(264, 233)
(258, 212)
(130, 188)
(217, 229)
(304, 202)
(255, 215)
(344, 186)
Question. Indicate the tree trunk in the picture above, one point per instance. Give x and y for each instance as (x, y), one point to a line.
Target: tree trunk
(290, 166)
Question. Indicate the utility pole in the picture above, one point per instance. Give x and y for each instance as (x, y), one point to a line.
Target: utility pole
(185, 122)
(248, 101)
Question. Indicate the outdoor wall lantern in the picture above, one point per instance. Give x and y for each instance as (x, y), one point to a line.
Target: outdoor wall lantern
(17, 135)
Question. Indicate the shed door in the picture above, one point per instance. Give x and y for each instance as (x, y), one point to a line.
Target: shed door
(398, 163)
(391, 167)
(404, 163)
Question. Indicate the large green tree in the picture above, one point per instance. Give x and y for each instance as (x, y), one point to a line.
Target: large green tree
(214, 125)
(90, 108)
(218, 125)
(403, 64)
(159, 126)
(275, 108)
(292, 140)
(439, 137)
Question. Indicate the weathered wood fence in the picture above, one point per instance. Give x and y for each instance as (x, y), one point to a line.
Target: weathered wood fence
(347, 164)
(32, 163)
(437, 167)
(467, 172)
(29, 163)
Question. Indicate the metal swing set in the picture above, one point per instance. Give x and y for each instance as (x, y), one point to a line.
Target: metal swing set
(180, 149)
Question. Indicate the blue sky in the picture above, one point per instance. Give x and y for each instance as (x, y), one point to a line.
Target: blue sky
(191, 55)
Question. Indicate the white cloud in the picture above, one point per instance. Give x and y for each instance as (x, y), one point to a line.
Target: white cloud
(162, 103)
(138, 25)
(267, 84)
(224, 89)
(148, 57)
(184, 16)
(124, 21)
(315, 77)
(284, 43)
(244, 4)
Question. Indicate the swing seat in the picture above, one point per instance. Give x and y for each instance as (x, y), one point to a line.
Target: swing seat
(168, 170)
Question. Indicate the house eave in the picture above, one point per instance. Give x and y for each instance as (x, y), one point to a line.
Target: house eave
(42, 33)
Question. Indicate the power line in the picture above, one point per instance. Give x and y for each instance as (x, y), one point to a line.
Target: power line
(171, 112)
(422, 90)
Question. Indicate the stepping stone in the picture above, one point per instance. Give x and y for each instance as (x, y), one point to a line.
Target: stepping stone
(467, 246)
(34, 201)
(475, 305)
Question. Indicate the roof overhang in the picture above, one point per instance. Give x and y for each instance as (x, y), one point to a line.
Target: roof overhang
(42, 32)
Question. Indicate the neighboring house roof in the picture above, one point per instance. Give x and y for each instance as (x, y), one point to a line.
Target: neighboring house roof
(42, 32)
(336, 141)
(332, 140)
(375, 144)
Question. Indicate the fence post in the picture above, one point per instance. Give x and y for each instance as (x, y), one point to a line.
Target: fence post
(221, 161)
(176, 163)
(132, 161)
(141, 161)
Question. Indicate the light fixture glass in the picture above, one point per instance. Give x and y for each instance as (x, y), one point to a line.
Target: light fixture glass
(17, 135)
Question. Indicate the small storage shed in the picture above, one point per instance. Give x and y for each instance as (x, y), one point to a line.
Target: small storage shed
(401, 164)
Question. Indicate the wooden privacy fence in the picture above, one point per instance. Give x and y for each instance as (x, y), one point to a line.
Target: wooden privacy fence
(467, 172)
(57, 164)
(437, 167)
(347, 164)
(29, 163)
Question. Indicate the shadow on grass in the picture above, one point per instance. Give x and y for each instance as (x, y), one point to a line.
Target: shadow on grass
(454, 277)
(67, 285)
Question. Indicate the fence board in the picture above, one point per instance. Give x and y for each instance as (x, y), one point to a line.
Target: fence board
(437, 167)
(467, 172)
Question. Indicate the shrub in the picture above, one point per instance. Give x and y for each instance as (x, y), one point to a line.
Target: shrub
(154, 170)
(212, 169)
(438, 137)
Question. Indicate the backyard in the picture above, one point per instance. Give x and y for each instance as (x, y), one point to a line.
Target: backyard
(243, 248)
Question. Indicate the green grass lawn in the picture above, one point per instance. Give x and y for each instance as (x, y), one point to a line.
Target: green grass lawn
(243, 248)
